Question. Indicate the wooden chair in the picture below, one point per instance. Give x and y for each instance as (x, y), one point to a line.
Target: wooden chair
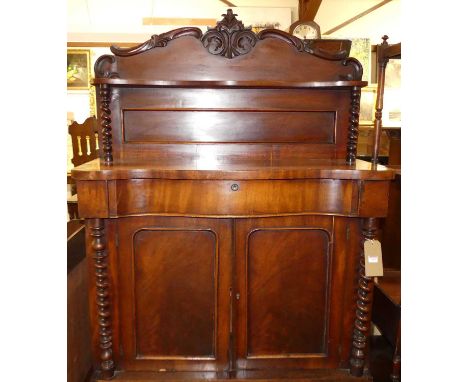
(84, 141)
(85, 148)
(386, 311)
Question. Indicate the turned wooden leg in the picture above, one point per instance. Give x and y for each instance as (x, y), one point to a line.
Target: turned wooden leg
(365, 293)
(396, 367)
(102, 298)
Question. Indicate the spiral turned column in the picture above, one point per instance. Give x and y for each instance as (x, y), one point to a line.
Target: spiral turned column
(353, 128)
(105, 117)
(102, 298)
(365, 294)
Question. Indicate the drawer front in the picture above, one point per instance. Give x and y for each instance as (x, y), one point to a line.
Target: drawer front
(233, 198)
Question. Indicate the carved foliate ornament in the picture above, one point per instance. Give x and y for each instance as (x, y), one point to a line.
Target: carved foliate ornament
(229, 38)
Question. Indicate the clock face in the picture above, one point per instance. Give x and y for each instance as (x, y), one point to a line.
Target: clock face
(305, 31)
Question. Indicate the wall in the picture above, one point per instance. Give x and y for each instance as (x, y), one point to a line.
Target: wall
(384, 20)
(120, 20)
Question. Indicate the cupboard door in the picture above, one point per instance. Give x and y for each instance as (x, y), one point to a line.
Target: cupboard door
(289, 293)
(175, 306)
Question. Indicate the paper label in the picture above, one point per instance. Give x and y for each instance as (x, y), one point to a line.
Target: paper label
(373, 258)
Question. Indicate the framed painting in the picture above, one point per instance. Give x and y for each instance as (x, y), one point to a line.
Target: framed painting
(361, 49)
(78, 69)
(259, 27)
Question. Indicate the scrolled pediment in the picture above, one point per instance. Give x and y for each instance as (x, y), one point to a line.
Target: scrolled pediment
(230, 39)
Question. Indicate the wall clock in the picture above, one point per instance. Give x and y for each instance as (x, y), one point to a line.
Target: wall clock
(305, 30)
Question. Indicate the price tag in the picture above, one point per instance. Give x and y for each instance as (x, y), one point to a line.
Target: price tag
(373, 258)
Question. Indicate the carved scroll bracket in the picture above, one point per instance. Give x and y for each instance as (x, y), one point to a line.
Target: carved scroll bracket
(357, 69)
(103, 67)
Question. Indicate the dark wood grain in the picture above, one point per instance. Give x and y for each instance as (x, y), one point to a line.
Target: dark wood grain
(162, 259)
(224, 211)
(353, 128)
(210, 166)
(391, 227)
(252, 71)
(174, 275)
(386, 315)
(97, 233)
(230, 84)
(363, 304)
(287, 319)
(76, 250)
(318, 375)
(209, 126)
(94, 199)
(106, 120)
(234, 198)
(280, 262)
(79, 357)
(250, 113)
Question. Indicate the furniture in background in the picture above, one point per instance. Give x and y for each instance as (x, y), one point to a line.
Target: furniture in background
(386, 314)
(85, 145)
(384, 53)
(394, 152)
(366, 144)
(84, 140)
(79, 360)
(227, 213)
(387, 296)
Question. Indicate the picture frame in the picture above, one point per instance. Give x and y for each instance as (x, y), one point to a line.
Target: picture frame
(78, 69)
(361, 50)
(367, 106)
(257, 28)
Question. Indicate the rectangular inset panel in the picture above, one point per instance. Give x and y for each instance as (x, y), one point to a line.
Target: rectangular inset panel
(287, 283)
(211, 126)
(175, 293)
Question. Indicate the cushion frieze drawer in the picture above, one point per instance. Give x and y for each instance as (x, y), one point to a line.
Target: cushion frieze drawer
(233, 198)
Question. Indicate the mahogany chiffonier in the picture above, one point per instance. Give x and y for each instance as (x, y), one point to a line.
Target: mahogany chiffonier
(227, 213)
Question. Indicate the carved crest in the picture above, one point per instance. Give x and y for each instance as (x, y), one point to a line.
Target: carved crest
(229, 38)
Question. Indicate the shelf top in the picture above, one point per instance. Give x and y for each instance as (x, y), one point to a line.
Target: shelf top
(227, 84)
(202, 168)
